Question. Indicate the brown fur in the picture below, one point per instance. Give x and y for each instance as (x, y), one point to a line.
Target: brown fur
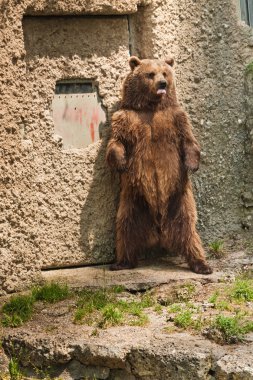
(153, 148)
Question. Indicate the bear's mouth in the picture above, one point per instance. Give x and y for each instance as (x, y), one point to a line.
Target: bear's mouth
(161, 91)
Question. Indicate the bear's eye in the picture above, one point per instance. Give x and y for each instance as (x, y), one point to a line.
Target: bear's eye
(150, 75)
(165, 74)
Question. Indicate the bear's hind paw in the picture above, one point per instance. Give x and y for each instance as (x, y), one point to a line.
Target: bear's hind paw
(121, 266)
(201, 267)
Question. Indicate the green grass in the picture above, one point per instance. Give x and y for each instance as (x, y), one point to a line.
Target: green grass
(230, 327)
(242, 290)
(214, 297)
(14, 371)
(175, 308)
(79, 315)
(17, 310)
(134, 311)
(118, 289)
(233, 328)
(223, 305)
(51, 292)
(147, 300)
(111, 315)
(198, 323)
(249, 68)
(216, 248)
(184, 319)
(103, 308)
(158, 308)
(91, 300)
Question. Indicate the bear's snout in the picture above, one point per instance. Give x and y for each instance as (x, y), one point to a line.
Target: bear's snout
(162, 84)
(161, 87)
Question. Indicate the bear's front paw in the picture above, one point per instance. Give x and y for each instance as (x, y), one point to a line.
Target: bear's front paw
(192, 157)
(121, 165)
(192, 164)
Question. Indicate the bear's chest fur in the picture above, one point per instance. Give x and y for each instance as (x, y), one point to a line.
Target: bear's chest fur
(154, 155)
(153, 128)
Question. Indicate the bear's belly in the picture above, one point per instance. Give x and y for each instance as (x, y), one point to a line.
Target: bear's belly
(156, 174)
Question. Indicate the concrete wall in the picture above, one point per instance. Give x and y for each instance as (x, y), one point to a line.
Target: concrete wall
(58, 206)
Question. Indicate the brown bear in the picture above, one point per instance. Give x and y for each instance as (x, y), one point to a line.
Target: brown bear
(153, 148)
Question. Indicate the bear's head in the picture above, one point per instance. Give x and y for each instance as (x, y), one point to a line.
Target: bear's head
(149, 85)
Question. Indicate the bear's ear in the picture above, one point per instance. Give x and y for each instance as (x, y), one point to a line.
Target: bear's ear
(170, 61)
(134, 62)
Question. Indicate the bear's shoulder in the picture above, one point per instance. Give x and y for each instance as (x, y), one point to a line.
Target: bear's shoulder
(124, 117)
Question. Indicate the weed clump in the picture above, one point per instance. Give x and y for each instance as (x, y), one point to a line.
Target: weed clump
(111, 315)
(103, 308)
(183, 319)
(216, 248)
(233, 329)
(89, 302)
(222, 304)
(249, 68)
(175, 307)
(242, 290)
(14, 370)
(17, 311)
(51, 293)
(214, 297)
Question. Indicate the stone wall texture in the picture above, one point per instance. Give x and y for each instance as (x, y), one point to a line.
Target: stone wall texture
(58, 206)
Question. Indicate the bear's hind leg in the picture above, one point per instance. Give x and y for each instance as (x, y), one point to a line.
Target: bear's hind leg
(194, 254)
(126, 254)
(182, 236)
(187, 243)
(133, 232)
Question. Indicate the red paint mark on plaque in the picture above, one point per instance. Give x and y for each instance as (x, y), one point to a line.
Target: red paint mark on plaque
(92, 131)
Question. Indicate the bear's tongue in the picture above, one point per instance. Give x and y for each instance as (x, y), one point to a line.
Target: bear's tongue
(161, 91)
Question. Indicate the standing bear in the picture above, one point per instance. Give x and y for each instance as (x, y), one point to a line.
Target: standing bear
(153, 148)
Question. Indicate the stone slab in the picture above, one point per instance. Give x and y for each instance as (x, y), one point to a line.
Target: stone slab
(146, 276)
(139, 353)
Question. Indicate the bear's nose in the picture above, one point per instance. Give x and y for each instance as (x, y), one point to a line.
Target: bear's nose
(162, 84)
